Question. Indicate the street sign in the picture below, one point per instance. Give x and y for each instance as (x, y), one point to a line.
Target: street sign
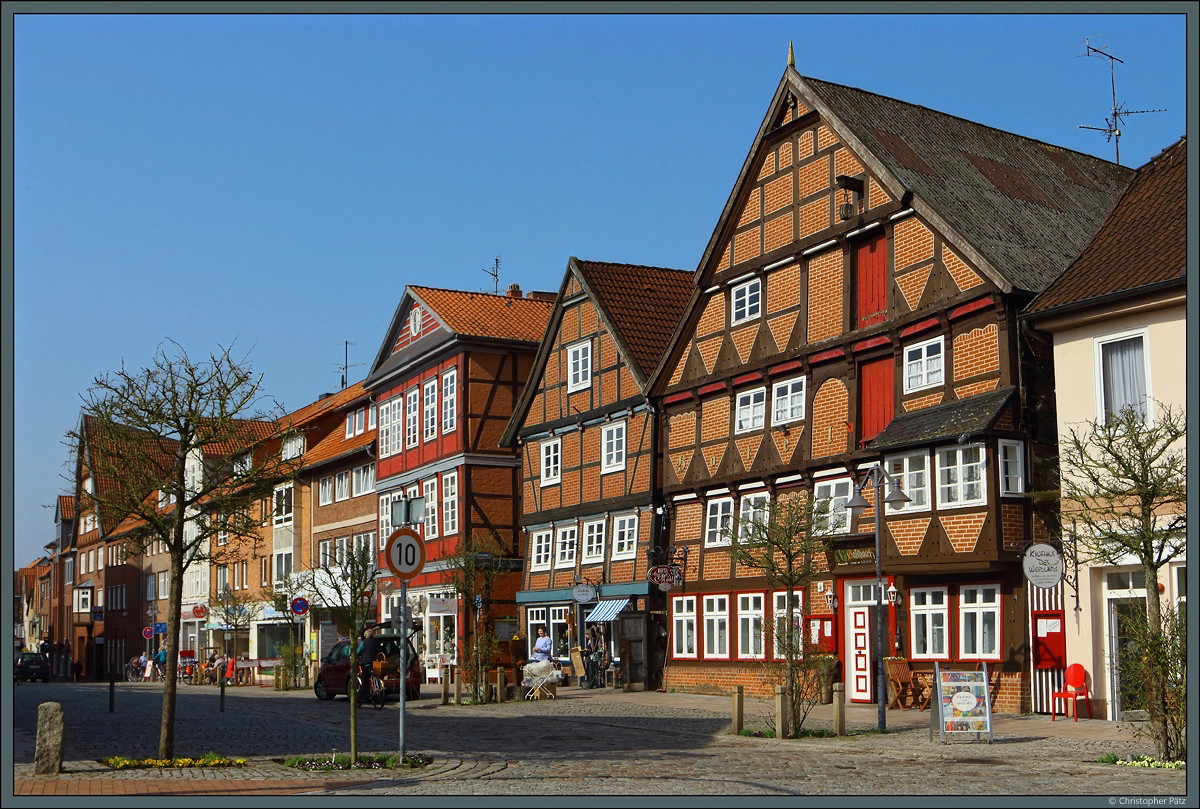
(199, 611)
(147, 633)
(405, 554)
(299, 606)
(160, 627)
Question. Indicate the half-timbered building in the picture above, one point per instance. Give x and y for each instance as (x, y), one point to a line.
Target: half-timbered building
(588, 443)
(444, 382)
(856, 306)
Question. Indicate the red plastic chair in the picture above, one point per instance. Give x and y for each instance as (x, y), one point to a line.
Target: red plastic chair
(1074, 687)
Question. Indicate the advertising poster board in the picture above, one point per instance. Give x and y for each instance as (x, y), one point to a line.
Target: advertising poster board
(961, 703)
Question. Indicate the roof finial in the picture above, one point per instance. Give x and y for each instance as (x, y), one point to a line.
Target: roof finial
(791, 57)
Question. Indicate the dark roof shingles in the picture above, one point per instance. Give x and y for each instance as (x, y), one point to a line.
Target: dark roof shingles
(972, 415)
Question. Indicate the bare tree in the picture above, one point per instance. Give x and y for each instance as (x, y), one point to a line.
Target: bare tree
(236, 611)
(782, 539)
(472, 569)
(163, 448)
(1124, 495)
(346, 585)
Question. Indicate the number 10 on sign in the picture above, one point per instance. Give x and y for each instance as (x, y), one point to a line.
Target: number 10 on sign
(405, 554)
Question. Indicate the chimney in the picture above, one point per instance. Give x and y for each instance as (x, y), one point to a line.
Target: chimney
(538, 295)
(514, 291)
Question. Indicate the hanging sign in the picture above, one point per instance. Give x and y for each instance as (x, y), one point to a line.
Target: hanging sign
(200, 611)
(1043, 565)
(661, 574)
(583, 592)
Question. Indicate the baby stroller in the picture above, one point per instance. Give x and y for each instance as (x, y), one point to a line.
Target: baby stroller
(542, 677)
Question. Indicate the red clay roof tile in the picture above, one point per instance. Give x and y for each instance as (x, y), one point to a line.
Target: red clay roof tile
(480, 314)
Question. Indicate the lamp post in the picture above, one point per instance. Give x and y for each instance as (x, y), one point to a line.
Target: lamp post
(876, 477)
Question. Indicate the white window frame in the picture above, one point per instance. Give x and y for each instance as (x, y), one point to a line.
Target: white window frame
(363, 480)
(837, 517)
(1098, 344)
(594, 540)
(341, 548)
(779, 621)
(1011, 466)
(449, 503)
(579, 366)
(550, 461)
(324, 491)
(371, 417)
(923, 608)
(325, 553)
(612, 447)
(625, 536)
(912, 470)
(414, 321)
(751, 613)
(430, 490)
(541, 549)
(750, 414)
(449, 400)
(787, 400)
(718, 520)
(745, 302)
(566, 539)
(279, 501)
(430, 409)
(716, 627)
(282, 567)
(978, 610)
(349, 428)
(390, 433)
(754, 506)
(960, 469)
(922, 371)
(412, 418)
(683, 619)
(293, 447)
(341, 486)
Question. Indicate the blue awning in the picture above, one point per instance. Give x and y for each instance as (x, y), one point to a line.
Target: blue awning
(606, 610)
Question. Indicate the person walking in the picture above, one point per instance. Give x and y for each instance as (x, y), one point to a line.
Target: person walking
(541, 646)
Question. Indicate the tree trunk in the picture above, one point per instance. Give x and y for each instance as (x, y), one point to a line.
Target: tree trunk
(1156, 697)
(352, 692)
(166, 733)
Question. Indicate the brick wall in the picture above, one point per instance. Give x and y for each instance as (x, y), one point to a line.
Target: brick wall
(976, 352)
(1012, 521)
(964, 277)
(830, 412)
(913, 242)
(825, 296)
(783, 288)
(719, 679)
(752, 209)
(812, 177)
(908, 534)
(778, 231)
(777, 194)
(714, 419)
(689, 520)
(746, 245)
(713, 318)
(963, 529)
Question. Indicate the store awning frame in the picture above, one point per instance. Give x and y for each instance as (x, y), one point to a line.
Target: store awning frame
(606, 610)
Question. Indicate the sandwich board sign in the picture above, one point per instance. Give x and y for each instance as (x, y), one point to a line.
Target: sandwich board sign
(961, 703)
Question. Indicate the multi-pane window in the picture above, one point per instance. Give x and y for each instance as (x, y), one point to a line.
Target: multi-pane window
(927, 621)
(747, 301)
(355, 422)
(751, 407)
(385, 512)
(283, 506)
(325, 553)
(293, 447)
(431, 508)
(449, 401)
(750, 625)
(593, 541)
(923, 365)
(754, 516)
(565, 553)
(612, 441)
(364, 479)
(341, 549)
(1121, 374)
(717, 521)
(579, 366)
(683, 611)
(787, 401)
(341, 486)
(363, 544)
(541, 543)
(960, 476)
(912, 471)
(786, 642)
(391, 419)
(551, 464)
(625, 531)
(412, 404)
(283, 566)
(979, 621)
(222, 578)
(449, 503)
(831, 498)
(716, 626)
(431, 409)
(1012, 467)
(325, 491)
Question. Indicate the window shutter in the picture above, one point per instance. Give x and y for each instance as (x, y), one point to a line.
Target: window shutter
(875, 397)
(871, 292)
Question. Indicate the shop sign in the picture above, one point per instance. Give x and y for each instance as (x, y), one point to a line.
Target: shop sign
(441, 605)
(1043, 565)
(200, 611)
(97, 613)
(583, 592)
(854, 556)
(961, 703)
(661, 574)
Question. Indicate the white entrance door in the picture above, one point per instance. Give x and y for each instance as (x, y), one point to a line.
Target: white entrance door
(859, 598)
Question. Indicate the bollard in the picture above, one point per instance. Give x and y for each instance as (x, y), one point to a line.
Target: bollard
(51, 739)
(839, 709)
(458, 686)
(737, 710)
(222, 679)
(501, 685)
(112, 691)
(781, 712)
(444, 680)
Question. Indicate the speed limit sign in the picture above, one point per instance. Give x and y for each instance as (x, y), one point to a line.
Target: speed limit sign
(405, 553)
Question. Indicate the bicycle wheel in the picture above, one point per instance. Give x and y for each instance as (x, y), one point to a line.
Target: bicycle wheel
(129, 674)
(378, 691)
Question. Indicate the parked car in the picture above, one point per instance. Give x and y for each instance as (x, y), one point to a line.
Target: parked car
(31, 666)
(333, 678)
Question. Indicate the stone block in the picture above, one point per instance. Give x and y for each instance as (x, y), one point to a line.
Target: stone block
(51, 741)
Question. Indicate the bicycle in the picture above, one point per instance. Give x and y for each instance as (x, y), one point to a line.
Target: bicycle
(133, 670)
(378, 691)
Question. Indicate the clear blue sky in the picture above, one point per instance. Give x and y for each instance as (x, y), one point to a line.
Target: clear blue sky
(277, 180)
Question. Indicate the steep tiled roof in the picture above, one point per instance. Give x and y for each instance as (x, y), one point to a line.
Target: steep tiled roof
(479, 314)
(927, 425)
(321, 407)
(643, 303)
(248, 433)
(66, 506)
(336, 445)
(1027, 207)
(1143, 240)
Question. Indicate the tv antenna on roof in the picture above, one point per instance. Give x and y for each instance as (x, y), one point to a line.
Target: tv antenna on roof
(346, 365)
(1112, 126)
(494, 271)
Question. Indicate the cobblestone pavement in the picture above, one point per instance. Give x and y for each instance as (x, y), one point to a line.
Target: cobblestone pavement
(586, 742)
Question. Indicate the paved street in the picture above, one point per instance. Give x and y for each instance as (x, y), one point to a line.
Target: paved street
(585, 742)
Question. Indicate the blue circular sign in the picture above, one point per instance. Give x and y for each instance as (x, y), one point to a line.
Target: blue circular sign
(299, 606)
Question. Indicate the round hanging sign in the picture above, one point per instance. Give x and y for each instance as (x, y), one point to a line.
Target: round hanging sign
(661, 574)
(583, 592)
(1043, 565)
(199, 611)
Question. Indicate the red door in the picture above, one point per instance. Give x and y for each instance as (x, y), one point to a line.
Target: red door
(875, 388)
(871, 294)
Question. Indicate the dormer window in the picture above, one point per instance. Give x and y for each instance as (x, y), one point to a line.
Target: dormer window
(293, 447)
